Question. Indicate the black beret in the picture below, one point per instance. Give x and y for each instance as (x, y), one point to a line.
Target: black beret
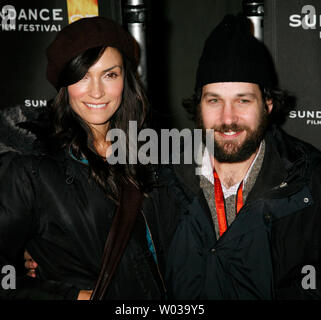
(85, 34)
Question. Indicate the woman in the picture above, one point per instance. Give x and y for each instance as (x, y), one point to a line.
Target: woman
(62, 202)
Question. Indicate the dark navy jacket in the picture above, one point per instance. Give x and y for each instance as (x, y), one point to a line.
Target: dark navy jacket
(262, 253)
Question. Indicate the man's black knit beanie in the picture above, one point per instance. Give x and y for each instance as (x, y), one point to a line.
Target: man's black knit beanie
(232, 54)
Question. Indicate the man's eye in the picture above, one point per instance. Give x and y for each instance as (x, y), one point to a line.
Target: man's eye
(244, 101)
(213, 101)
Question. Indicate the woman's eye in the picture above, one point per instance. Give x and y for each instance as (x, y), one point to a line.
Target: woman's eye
(85, 77)
(111, 75)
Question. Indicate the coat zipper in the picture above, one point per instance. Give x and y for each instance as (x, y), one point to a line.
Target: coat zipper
(151, 237)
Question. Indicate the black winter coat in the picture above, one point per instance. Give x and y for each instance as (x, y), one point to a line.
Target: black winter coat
(263, 252)
(48, 207)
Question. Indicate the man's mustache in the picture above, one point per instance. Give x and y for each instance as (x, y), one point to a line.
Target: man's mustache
(232, 127)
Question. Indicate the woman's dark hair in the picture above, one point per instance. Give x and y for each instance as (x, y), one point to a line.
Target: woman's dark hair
(71, 132)
(283, 103)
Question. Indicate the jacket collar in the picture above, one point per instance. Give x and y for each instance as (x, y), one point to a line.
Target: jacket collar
(273, 171)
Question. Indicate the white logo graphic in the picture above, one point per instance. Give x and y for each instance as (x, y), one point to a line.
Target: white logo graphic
(308, 19)
(312, 117)
(35, 103)
(30, 20)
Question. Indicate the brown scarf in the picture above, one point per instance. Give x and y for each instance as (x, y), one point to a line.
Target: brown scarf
(117, 239)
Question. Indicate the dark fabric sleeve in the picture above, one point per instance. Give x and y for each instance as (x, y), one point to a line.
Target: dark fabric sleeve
(18, 224)
(28, 288)
(16, 209)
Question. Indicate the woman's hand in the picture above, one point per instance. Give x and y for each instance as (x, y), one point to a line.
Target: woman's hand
(84, 294)
(30, 264)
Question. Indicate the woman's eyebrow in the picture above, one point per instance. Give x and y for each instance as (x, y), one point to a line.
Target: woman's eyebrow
(113, 67)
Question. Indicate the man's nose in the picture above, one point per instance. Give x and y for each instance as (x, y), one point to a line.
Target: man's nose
(228, 115)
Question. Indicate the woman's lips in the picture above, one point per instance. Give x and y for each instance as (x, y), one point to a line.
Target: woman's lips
(96, 105)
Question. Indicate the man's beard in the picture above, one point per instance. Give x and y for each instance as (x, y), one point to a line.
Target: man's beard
(234, 151)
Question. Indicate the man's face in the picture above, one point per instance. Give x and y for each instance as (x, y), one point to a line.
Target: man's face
(239, 117)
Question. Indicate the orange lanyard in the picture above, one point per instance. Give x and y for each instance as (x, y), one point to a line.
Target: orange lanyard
(220, 205)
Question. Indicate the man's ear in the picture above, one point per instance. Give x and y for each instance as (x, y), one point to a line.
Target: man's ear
(269, 105)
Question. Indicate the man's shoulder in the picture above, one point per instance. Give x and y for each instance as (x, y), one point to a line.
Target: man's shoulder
(306, 155)
(310, 151)
(291, 144)
(181, 182)
(182, 173)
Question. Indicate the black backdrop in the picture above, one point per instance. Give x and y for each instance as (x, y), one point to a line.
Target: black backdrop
(176, 31)
(293, 33)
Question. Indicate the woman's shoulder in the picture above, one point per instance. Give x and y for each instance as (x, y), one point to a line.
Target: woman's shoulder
(30, 162)
(16, 159)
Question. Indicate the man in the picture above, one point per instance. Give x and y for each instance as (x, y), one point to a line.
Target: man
(250, 223)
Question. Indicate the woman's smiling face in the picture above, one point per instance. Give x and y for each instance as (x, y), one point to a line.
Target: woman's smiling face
(98, 95)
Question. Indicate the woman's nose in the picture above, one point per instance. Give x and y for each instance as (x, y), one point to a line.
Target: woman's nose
(96, 89)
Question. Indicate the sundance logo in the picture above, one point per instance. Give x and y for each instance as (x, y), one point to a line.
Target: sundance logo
(308, 19)
(35, 103)
(312, 117)
(30, 20)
